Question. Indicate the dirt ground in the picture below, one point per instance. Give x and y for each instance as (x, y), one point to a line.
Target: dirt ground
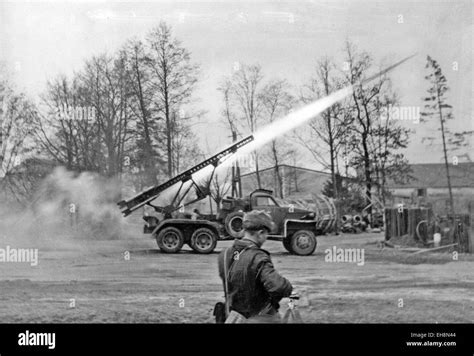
(86, 281)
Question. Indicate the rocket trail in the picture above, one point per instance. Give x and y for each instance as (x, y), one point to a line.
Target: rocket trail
(293, 120)
(388, 69)
(260, 138)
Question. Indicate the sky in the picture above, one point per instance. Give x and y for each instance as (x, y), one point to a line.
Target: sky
(40, 40)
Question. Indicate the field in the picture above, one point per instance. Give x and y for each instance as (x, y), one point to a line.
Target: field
(130, 281)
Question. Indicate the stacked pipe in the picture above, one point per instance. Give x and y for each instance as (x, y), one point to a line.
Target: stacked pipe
(347, 223)
(352, 223)
(357, 220)
(346, 219)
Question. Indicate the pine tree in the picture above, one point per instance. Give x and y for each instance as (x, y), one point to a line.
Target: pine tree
(436, 107)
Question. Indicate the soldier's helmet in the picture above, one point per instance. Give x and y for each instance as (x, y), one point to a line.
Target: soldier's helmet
(258, 219)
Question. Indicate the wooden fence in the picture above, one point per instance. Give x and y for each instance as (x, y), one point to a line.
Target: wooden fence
(403, 221)
(406, 221)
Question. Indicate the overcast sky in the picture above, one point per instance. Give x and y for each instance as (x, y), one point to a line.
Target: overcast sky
(39, 40)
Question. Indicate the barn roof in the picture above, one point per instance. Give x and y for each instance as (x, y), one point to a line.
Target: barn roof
(433, 175)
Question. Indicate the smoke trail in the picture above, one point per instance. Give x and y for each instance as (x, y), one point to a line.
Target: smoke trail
(278, 128)
(293, 120)
(284, 125)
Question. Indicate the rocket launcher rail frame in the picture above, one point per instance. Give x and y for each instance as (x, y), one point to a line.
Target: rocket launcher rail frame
(134, 203)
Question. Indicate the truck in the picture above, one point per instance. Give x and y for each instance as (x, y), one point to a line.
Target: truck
(171, 227)
(296, 227)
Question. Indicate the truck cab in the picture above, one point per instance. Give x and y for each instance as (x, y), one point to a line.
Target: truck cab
(295, 227)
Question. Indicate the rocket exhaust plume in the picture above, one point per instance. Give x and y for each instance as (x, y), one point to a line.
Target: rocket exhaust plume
(293, 120)
(202, 172)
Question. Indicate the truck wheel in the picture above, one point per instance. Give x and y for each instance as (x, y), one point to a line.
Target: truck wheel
(287, 245)
(170, 240)
(303, 242)
(234, 224)
(203, 240)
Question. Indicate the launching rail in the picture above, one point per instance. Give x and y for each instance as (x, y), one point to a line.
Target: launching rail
(145, 197)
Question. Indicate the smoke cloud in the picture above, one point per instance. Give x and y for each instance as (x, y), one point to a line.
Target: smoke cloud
(69, 206)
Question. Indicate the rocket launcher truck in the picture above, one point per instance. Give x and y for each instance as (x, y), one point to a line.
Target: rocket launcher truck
(297, 228)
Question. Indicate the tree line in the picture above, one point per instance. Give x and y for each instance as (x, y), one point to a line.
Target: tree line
(349, 135)
(360, 138)
(128, 115)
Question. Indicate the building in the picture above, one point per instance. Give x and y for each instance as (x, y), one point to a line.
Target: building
(429, 186)
(296, 182)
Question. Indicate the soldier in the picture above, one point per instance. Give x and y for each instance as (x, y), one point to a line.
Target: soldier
(195, 214)
(253, 287)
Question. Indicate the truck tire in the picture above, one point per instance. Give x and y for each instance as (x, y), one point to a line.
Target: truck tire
(303, 242)
(287, 244)
(170, 240)
(234, 224)
(203, 240)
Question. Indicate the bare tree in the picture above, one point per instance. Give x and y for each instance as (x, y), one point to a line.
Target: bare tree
(146, 113)
(327, 133)
(385, 141)
(365, 107)
(137, 95)
(220, 186)
(277, 102)
(17, 114)
(65, 131)
(228, 113)
(99, 138)
(244, 96)
(184, 145)
(173, 80)
(107, 83)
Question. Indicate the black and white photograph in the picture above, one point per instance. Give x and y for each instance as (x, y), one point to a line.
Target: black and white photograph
(237, 162)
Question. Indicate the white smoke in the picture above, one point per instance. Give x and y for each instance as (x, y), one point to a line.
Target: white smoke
(68, 207)
(279, 128)
(292, 121)
(284, 125)
(84, 203)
